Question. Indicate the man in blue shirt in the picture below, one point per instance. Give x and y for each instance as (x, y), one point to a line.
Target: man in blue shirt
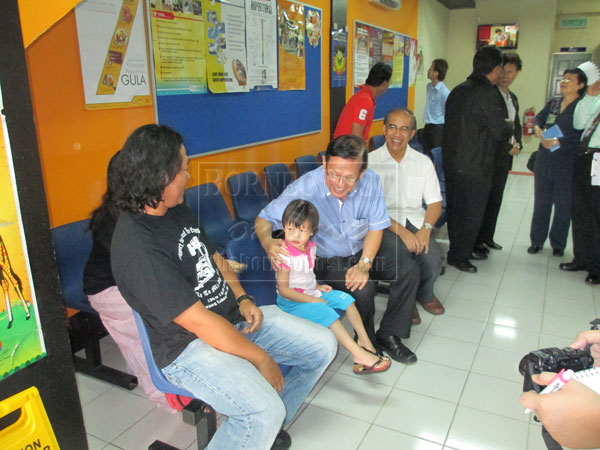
(435, 105)
(354, 247)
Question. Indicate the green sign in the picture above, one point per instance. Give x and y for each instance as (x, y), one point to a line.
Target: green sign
(574, 22)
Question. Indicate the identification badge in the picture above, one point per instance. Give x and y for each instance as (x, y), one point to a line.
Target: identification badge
(595, 172)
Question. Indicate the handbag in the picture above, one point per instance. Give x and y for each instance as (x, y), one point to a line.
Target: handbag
(531, 161)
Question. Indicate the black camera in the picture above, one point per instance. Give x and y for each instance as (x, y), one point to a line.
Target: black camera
(552, 359)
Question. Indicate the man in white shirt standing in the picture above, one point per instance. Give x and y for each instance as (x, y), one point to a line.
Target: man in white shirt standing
(409, 180)
(435, 105)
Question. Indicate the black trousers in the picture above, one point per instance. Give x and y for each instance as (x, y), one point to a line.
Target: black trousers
(549, 194)
(432, 137)
(466, 197)
(391, 265)
(492, 209)
(586, 216)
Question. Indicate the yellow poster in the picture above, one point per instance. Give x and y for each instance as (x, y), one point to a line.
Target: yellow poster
(292, 61)
(226, 64)
(178, 43)
(21, 340)
(397, 79)
(112, 50)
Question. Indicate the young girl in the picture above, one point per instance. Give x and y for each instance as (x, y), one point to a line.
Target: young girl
(300, 295)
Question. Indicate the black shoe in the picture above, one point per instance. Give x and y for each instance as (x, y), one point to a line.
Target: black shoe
(534, 249)
(464, 266)
(493, 245)
(283, 441)
(480, 248)
(592, 279)
(396, 350)
(478, 256)
(558, 252)
(572, 266)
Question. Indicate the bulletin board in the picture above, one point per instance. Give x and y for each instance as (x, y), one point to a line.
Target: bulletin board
(212, 123)
(397, 95)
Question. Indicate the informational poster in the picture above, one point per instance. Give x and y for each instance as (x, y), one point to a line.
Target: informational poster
(292, 61)
(397, 79)
(313, 27)
(112, 49)
(361, 54)
(373, 44)
(261, 43)
(226, 64)
(21, 338)
(178, 45)
(339, 45)
(413, 58)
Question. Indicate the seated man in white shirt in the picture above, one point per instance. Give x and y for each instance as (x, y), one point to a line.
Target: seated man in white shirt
(409, 180)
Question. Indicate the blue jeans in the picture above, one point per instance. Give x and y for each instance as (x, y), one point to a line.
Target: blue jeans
(235, 388)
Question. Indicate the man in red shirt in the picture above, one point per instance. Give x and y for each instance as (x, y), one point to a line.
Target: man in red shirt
(357, 116)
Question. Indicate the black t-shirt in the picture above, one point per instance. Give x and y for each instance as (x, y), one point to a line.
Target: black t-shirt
(163, 265)
(97, 275)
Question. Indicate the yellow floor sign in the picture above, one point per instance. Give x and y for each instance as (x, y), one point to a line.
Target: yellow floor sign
(32, 429)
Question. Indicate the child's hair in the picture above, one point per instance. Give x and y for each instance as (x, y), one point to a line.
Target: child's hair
(298, 212)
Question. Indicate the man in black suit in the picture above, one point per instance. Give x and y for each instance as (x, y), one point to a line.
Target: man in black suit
(511, 67)
(474, 131)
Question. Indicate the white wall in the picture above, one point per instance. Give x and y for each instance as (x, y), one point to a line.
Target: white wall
(432, 35)
(536, 20)
(579, 37)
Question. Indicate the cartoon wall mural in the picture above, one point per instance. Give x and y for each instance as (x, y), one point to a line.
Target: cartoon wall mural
(21, 339)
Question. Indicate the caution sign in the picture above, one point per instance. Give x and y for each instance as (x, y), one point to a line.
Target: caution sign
(29, 427)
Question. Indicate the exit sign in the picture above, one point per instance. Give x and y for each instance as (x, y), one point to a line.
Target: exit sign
(574, 22)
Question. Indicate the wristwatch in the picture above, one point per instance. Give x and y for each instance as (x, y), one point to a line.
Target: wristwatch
(366, 260)
(427, 226)
(241, 298)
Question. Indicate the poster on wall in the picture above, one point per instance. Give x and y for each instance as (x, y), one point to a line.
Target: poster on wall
(261, 44)
(339, 45)
(178, 46)
(290, 32)
(226, 64)
(112, 50)
(21, 338)
(361, 54)
(398, 65)
(413, 59)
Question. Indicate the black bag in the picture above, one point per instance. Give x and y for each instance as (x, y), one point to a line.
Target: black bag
(531, 161)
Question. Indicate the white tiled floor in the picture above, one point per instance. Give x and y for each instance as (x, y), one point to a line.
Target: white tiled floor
(463, 392)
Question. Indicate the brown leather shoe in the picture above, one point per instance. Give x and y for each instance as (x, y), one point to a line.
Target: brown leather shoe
(416, 318)
(433, 306)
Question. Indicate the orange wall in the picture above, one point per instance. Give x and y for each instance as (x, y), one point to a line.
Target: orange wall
(402, 21)
(76, 144)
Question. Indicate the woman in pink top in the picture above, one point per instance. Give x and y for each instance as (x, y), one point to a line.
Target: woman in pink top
(300, 294)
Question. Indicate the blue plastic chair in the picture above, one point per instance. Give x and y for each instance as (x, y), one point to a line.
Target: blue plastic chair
(305, 164)
(197, 412)
(247, 195)
(278, 178)
(321, 155)
(436, 155)
(376, 141)
(72, 246)
(414, 143)
(209, 205)
(258, 279)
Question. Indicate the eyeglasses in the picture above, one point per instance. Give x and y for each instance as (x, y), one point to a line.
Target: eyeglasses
(565, 80)
(403, 129)
(336, 178)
